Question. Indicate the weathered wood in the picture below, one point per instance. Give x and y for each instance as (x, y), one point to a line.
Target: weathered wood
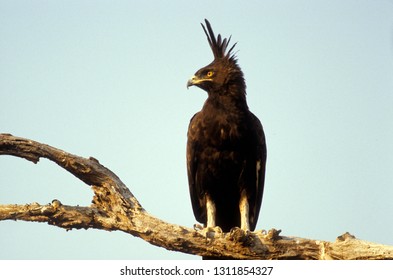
(114, 207)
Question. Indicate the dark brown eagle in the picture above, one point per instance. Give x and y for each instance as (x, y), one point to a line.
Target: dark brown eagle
(226, 150)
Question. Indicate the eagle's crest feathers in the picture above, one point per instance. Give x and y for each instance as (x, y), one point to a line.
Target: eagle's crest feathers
(218, 45)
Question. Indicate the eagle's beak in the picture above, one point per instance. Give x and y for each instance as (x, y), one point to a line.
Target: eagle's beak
(193, 81)
(197, 81)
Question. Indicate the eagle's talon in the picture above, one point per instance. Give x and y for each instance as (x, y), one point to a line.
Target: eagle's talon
(198, 227)
(238, 234)
(211, 232)
(217, 229)
(233, 230)
(264, 232)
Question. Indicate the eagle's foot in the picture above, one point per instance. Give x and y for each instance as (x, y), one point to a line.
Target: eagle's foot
(208, 232)
(240, 235)
(273, 234)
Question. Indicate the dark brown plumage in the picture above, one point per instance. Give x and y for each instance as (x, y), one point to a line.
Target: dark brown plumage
(226, 150)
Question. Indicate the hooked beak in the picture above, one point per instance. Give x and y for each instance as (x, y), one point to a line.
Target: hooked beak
(196, 81)
(191, 82)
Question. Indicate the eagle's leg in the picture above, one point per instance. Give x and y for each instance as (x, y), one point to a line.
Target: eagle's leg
(211, 229)
(244, 208)
(210, 212)
(241, 234)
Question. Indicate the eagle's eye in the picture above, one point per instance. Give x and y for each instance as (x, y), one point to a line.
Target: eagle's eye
(209, 74)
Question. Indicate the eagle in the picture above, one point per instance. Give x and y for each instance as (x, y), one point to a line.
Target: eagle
(226, 148)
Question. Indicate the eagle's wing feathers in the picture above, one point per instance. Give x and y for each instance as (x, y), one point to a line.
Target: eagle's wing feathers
(196, 193)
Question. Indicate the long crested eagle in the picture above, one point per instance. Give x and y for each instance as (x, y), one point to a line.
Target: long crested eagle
(226, 149)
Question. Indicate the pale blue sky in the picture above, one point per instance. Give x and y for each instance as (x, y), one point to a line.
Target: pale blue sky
(108, 79)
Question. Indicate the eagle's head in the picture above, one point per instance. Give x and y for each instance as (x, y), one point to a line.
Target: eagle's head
(223, 72)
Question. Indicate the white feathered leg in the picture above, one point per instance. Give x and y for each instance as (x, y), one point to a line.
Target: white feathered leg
(244, 212)
(210, 213)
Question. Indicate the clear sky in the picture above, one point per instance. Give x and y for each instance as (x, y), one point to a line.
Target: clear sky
(108, 79)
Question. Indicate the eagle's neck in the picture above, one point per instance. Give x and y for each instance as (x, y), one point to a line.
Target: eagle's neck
(232, 98)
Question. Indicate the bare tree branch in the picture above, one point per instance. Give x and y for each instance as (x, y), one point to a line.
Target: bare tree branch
(114, 207)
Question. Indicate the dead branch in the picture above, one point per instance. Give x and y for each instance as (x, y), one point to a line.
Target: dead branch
(114, 207)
